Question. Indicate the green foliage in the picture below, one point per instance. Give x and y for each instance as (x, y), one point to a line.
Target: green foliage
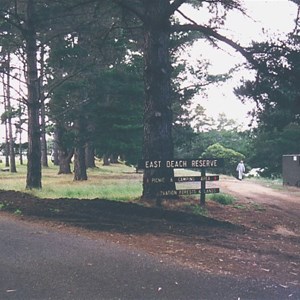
(269, 146)
(17, 212)
(199, 210)
(9, 114)
(104, 92)
(118, 122)
(276, 85)
(223, 199)
(231, 157)
(189, 142)
(184, 139)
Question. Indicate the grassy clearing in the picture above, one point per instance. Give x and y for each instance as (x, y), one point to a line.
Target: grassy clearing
(271, 183)
(115, 182)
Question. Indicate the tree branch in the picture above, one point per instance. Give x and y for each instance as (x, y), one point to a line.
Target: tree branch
(211, 33)
(175, 5)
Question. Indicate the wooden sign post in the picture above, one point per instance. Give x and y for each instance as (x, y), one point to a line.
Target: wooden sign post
(203, 186)
(202, 164)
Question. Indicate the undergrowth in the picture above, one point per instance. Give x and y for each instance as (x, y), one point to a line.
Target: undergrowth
(223, 199)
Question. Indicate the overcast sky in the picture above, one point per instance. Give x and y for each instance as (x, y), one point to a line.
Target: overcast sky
(268, 18)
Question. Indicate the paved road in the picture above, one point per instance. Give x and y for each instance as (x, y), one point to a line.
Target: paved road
(37, 262)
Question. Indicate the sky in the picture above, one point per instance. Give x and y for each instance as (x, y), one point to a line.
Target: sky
(268, 18)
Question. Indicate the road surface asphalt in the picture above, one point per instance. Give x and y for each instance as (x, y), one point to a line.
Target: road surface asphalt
(40, 262)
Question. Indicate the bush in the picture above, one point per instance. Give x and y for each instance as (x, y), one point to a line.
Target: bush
(231, 158)
(223, 199)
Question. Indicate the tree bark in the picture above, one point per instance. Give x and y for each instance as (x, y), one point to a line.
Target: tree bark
(114, 158)
(89, 156)
(79, 151)
(158, 113)
(34, 173)
(79, 164)
(6, 148)
(65, 157)
(54, 154)
(62, 154)
(106, 160)
(44, 150)
(12, 157)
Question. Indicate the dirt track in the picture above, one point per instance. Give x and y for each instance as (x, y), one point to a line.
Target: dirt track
(250, 190)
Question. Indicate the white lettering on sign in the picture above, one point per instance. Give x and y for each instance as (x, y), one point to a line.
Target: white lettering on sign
(186, 179)
(176, 163)
(168, 193)
(189, 192)
(181, 163)
(212, 178)
(212, 190)
(150, 164)
(158, 180)
(204, 163)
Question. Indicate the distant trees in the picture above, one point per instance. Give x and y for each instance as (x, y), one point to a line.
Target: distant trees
(276, 92)
(119, 113)
(7, 116)
(223, 139)
(96, 105)
(269, 146)
(20, 26)
(66, 45)
(274, 89)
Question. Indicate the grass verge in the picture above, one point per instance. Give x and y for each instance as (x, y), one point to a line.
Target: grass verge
(115, 182)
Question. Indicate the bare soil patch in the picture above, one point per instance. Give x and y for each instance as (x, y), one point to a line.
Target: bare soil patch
(256, 237)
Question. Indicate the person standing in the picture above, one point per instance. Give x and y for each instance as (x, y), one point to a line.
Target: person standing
(240, 169)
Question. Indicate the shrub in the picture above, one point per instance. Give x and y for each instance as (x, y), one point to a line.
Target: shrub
(231, 158)
(223, 199)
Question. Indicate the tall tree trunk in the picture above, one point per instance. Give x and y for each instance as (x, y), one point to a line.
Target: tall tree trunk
(44, 151)
(79, 164)
(19, 130)
(114, 158)
(5, 124)
(89, 156)
(106, 160)
(12, 157)
(158, 143)
(79, 151)
(62, 153)
(65, 158)
(6, 146)
(20, 148)
(54, 154)
(34, 173)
